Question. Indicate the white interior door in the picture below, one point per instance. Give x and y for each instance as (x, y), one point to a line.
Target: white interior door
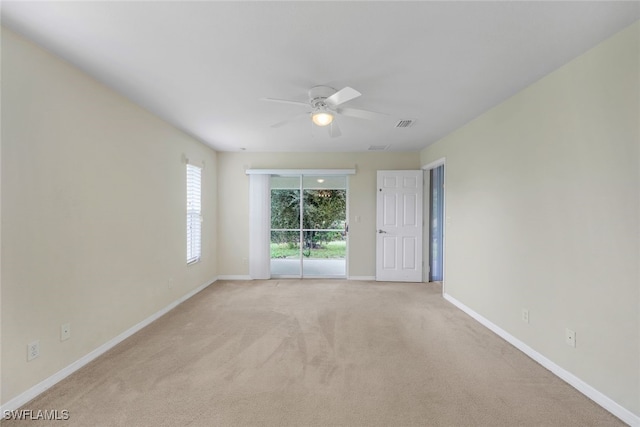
(399, 226)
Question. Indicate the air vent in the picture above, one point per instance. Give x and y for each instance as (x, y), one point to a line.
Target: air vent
(405, 123)
(377, 147)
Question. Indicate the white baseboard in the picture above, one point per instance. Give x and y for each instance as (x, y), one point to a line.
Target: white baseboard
(601, 399)
(247, 277)
(34, 391)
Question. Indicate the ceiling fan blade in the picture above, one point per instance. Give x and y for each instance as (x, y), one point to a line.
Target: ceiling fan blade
(289, 120)
(343, 95)
(334, 129)
(285, 101)
(362, 114)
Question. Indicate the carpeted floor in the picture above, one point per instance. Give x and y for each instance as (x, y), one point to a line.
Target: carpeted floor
(317, 353)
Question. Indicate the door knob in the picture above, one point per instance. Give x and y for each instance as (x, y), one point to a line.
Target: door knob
(381, 231)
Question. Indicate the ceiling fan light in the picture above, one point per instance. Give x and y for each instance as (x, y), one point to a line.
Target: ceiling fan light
(322, 118)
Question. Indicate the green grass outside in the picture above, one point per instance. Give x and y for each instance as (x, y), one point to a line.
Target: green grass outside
(337, 249)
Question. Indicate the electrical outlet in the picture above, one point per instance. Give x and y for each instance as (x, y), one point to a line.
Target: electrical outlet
(525, 315)
(570, 337)
(65, 331)
(33, 350)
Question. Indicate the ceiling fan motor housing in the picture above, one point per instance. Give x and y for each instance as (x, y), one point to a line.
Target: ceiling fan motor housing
(318, 95)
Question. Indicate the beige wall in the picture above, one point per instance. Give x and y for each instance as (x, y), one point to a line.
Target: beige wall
(233, 209)
(542, 205)
(93, 213)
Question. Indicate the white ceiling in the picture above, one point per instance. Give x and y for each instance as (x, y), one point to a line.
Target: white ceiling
(203, 66)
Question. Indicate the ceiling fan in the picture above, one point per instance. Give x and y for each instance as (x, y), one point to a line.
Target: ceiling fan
(324, 104)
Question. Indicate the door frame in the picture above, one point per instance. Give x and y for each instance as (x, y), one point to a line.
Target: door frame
(427, 218)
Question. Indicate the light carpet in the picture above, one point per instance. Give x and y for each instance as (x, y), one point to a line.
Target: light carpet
(317, 353)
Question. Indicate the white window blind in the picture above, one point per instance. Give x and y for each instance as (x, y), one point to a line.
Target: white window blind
(194, 213)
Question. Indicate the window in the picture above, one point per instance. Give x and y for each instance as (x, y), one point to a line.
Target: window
(194, 214)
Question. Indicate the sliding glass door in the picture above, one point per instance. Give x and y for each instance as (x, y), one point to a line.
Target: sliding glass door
(308, 226)
(285, 226)
(324, 215)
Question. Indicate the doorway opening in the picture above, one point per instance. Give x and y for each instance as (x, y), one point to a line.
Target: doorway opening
(436, 224)
(308, 226)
